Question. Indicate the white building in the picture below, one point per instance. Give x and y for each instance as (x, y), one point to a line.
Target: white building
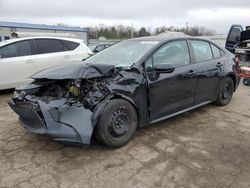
(12, 29)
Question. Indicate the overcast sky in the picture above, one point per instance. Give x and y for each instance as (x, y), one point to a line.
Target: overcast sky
(214, 14)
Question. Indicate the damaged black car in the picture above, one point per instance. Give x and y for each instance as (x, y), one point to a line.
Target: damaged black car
(131, 84)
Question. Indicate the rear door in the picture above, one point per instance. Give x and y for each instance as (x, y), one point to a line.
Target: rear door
(208, 67)
(233, 37)
(50, 53)
(17, 63)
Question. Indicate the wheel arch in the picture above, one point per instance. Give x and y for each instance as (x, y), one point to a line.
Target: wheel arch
(231, 75)
(128, 99)
(101, 106)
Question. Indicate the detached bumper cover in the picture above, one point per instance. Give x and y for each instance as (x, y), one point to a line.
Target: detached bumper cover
(56, 119)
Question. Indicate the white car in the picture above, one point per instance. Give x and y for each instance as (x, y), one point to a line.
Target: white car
(22, 57)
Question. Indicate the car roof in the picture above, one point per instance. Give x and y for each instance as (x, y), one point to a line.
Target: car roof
(165, 38)
(5, 42)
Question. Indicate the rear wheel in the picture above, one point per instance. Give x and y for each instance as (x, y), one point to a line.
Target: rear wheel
(117, 124)
(226, 92)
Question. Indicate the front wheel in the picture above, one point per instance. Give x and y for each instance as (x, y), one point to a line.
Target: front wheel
(226, 92)
(117, 124)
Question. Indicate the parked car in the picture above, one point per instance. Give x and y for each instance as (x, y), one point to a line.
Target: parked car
(20, 58)
(131, 84)
(100, 47)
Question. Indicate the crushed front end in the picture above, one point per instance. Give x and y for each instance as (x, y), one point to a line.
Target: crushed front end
(66, 102)
(61, 109)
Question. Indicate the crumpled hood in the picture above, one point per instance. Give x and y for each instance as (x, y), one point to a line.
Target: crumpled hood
(75, 71)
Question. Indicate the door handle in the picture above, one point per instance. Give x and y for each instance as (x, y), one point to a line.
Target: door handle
(219, 64)
(30, 61)
(191, 73)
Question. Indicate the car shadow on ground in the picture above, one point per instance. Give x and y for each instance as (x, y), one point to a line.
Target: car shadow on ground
(6, 92)
(152, 130)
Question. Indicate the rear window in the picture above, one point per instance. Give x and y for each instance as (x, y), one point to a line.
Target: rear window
(44, 46)
(17, 49)
(202, 50)
(69, 45)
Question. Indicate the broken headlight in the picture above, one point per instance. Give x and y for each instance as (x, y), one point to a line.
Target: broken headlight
(19, 95)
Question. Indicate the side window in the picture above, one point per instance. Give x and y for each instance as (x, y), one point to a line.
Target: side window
(202, 50)
(8, 51)
(44, 46)
(175, 53)
(216, 51)
(149, 65)
(17, 49)
(70, 45)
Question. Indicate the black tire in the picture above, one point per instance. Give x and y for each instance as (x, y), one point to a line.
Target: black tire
(246, 81)
(117, 124)
(226, 92)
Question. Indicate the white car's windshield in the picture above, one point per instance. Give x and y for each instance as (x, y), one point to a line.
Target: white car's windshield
(123, 54)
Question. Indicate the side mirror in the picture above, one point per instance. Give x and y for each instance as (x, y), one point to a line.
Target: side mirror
(164, 68)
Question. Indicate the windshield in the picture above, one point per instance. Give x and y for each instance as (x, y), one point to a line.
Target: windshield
(123, 54)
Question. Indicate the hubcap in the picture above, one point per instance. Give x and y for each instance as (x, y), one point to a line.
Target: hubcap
(118, 123)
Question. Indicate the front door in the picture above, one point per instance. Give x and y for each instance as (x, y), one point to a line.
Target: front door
(170, 92)
(17, 64)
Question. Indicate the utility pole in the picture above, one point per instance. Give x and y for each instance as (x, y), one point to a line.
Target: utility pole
(186, 27)
(96, 32)
(132, 30)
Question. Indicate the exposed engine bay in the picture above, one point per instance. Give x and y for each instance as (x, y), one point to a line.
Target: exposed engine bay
(86, 92)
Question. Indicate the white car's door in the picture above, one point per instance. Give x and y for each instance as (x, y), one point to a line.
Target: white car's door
(17, 64)
(50, 53)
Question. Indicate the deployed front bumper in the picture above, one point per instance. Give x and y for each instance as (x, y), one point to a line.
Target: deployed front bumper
(62, 122)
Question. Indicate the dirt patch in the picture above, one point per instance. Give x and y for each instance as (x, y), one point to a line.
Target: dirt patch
(207, 147)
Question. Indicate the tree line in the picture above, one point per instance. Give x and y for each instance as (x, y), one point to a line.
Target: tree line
(126, 32)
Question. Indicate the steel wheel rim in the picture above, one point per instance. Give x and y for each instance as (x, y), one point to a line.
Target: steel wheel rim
(118, 123)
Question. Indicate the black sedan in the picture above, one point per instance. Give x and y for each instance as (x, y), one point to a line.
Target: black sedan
(129, 85)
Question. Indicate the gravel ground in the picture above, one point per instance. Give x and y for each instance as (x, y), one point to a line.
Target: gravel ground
(207, 147)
